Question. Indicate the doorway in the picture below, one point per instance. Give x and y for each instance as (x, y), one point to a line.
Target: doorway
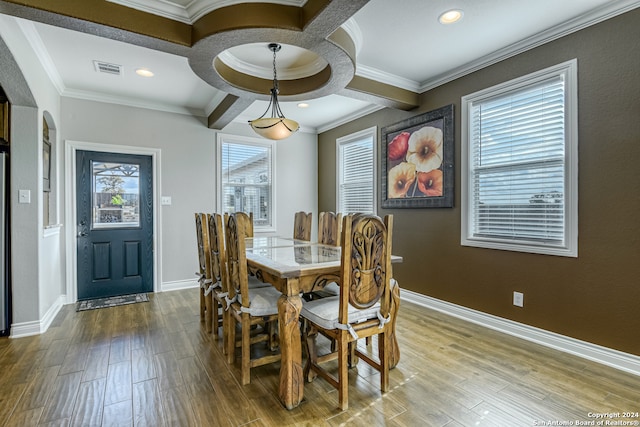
(114, 216)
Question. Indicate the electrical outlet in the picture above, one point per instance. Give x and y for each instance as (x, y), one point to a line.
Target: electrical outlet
(518, 299)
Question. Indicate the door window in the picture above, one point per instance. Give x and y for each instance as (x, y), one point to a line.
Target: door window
(116, 194)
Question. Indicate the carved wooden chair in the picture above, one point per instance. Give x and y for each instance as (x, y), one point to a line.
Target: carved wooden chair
(329, 231)
(204, 269)
(302, 226)
(248, 229)
(219, 272)
(248, 306)
(218, 267)
(363, 308)
(329, 228)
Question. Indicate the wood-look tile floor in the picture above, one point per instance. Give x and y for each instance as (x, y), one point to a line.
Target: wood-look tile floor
(152, 364)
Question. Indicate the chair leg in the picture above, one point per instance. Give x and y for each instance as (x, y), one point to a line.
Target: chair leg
(343, 374)
(225, 330)
(215, 313)
(208, 318)
(353, 357)
(384, 354)
(231, 338)
(272, 328)
(310, 334)
(202, 305)
(246, 350)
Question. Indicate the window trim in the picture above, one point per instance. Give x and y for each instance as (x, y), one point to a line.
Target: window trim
(246, 140)
(373, 133)
(569, 72)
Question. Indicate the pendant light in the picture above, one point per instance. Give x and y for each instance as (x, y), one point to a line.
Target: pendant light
(277, 126)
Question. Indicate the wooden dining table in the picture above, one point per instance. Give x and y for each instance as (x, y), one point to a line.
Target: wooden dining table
(295, 267)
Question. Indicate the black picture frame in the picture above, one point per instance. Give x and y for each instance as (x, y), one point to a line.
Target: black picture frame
(46, 166)
(417, 161)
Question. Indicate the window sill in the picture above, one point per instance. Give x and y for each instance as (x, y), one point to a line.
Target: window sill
(522, 247)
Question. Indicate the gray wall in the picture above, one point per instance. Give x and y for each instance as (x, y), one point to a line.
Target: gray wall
(31, 94)
(188, 153)
(592, 298)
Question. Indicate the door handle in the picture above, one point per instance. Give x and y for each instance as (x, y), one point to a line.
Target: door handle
(82, 227)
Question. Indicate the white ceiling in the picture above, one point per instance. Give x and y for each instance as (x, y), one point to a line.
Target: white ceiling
(399, 42)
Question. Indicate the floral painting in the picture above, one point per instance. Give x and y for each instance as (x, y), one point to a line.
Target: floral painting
(417, 161)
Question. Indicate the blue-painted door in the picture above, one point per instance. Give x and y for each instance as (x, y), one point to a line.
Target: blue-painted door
(115, 224)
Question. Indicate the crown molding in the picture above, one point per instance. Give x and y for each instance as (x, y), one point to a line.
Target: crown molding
(603, 13)
(131, 102)
(35, 41)
(250, 69)
(350, 117)
(388, 78)
(192, 12)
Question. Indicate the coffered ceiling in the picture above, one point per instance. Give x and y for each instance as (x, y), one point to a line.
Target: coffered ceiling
(344, 58)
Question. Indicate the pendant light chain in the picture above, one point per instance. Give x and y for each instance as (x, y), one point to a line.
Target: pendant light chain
(275, 108)
(275, 72)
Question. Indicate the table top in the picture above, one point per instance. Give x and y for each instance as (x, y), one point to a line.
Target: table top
(273, 242)
(294, 258)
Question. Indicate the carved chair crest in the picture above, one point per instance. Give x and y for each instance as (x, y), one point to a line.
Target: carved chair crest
(367, 276)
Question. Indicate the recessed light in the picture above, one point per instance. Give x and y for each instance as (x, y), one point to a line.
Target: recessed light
(144, 72)
(450, 16)
(303, 105)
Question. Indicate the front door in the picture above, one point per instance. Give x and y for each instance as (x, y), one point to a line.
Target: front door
(115, 224)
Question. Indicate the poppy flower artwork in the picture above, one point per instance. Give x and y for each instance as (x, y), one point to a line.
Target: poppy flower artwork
(418, 161)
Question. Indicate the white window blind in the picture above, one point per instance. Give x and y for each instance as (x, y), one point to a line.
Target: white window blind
(356, 172)
(246, 178)
(517, 189)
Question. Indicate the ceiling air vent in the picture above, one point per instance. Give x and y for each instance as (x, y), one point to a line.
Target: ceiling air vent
(107, 68)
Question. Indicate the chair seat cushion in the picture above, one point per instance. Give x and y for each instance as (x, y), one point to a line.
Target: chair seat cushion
(324, 312)
(263, 301)
(331, 289)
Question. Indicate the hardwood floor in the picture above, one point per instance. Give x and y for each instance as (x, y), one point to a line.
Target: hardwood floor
(153, 364)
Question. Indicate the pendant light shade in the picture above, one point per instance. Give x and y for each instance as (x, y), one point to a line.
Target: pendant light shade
(277, 126)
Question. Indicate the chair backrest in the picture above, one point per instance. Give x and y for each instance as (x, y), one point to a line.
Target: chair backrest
(302, 226)
(202, 240)
(329, 227)
(365, 271)
(247, 219)
(238, 279)
(217, 253)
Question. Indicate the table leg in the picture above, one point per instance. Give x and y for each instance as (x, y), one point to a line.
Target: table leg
(291, 375)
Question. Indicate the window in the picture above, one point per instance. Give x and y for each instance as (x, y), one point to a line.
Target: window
(116, 195)
(356, 161)
(245, 173)
(520, 159)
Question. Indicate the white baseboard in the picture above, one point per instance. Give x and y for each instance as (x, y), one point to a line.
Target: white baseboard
(36, 327)
(607, 356)
(179, 284)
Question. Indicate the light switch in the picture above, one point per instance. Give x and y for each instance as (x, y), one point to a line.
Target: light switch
(24, 196)
(166, 200)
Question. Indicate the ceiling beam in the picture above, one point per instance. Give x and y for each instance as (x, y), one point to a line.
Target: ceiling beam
(227, 110)
(379, 93)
